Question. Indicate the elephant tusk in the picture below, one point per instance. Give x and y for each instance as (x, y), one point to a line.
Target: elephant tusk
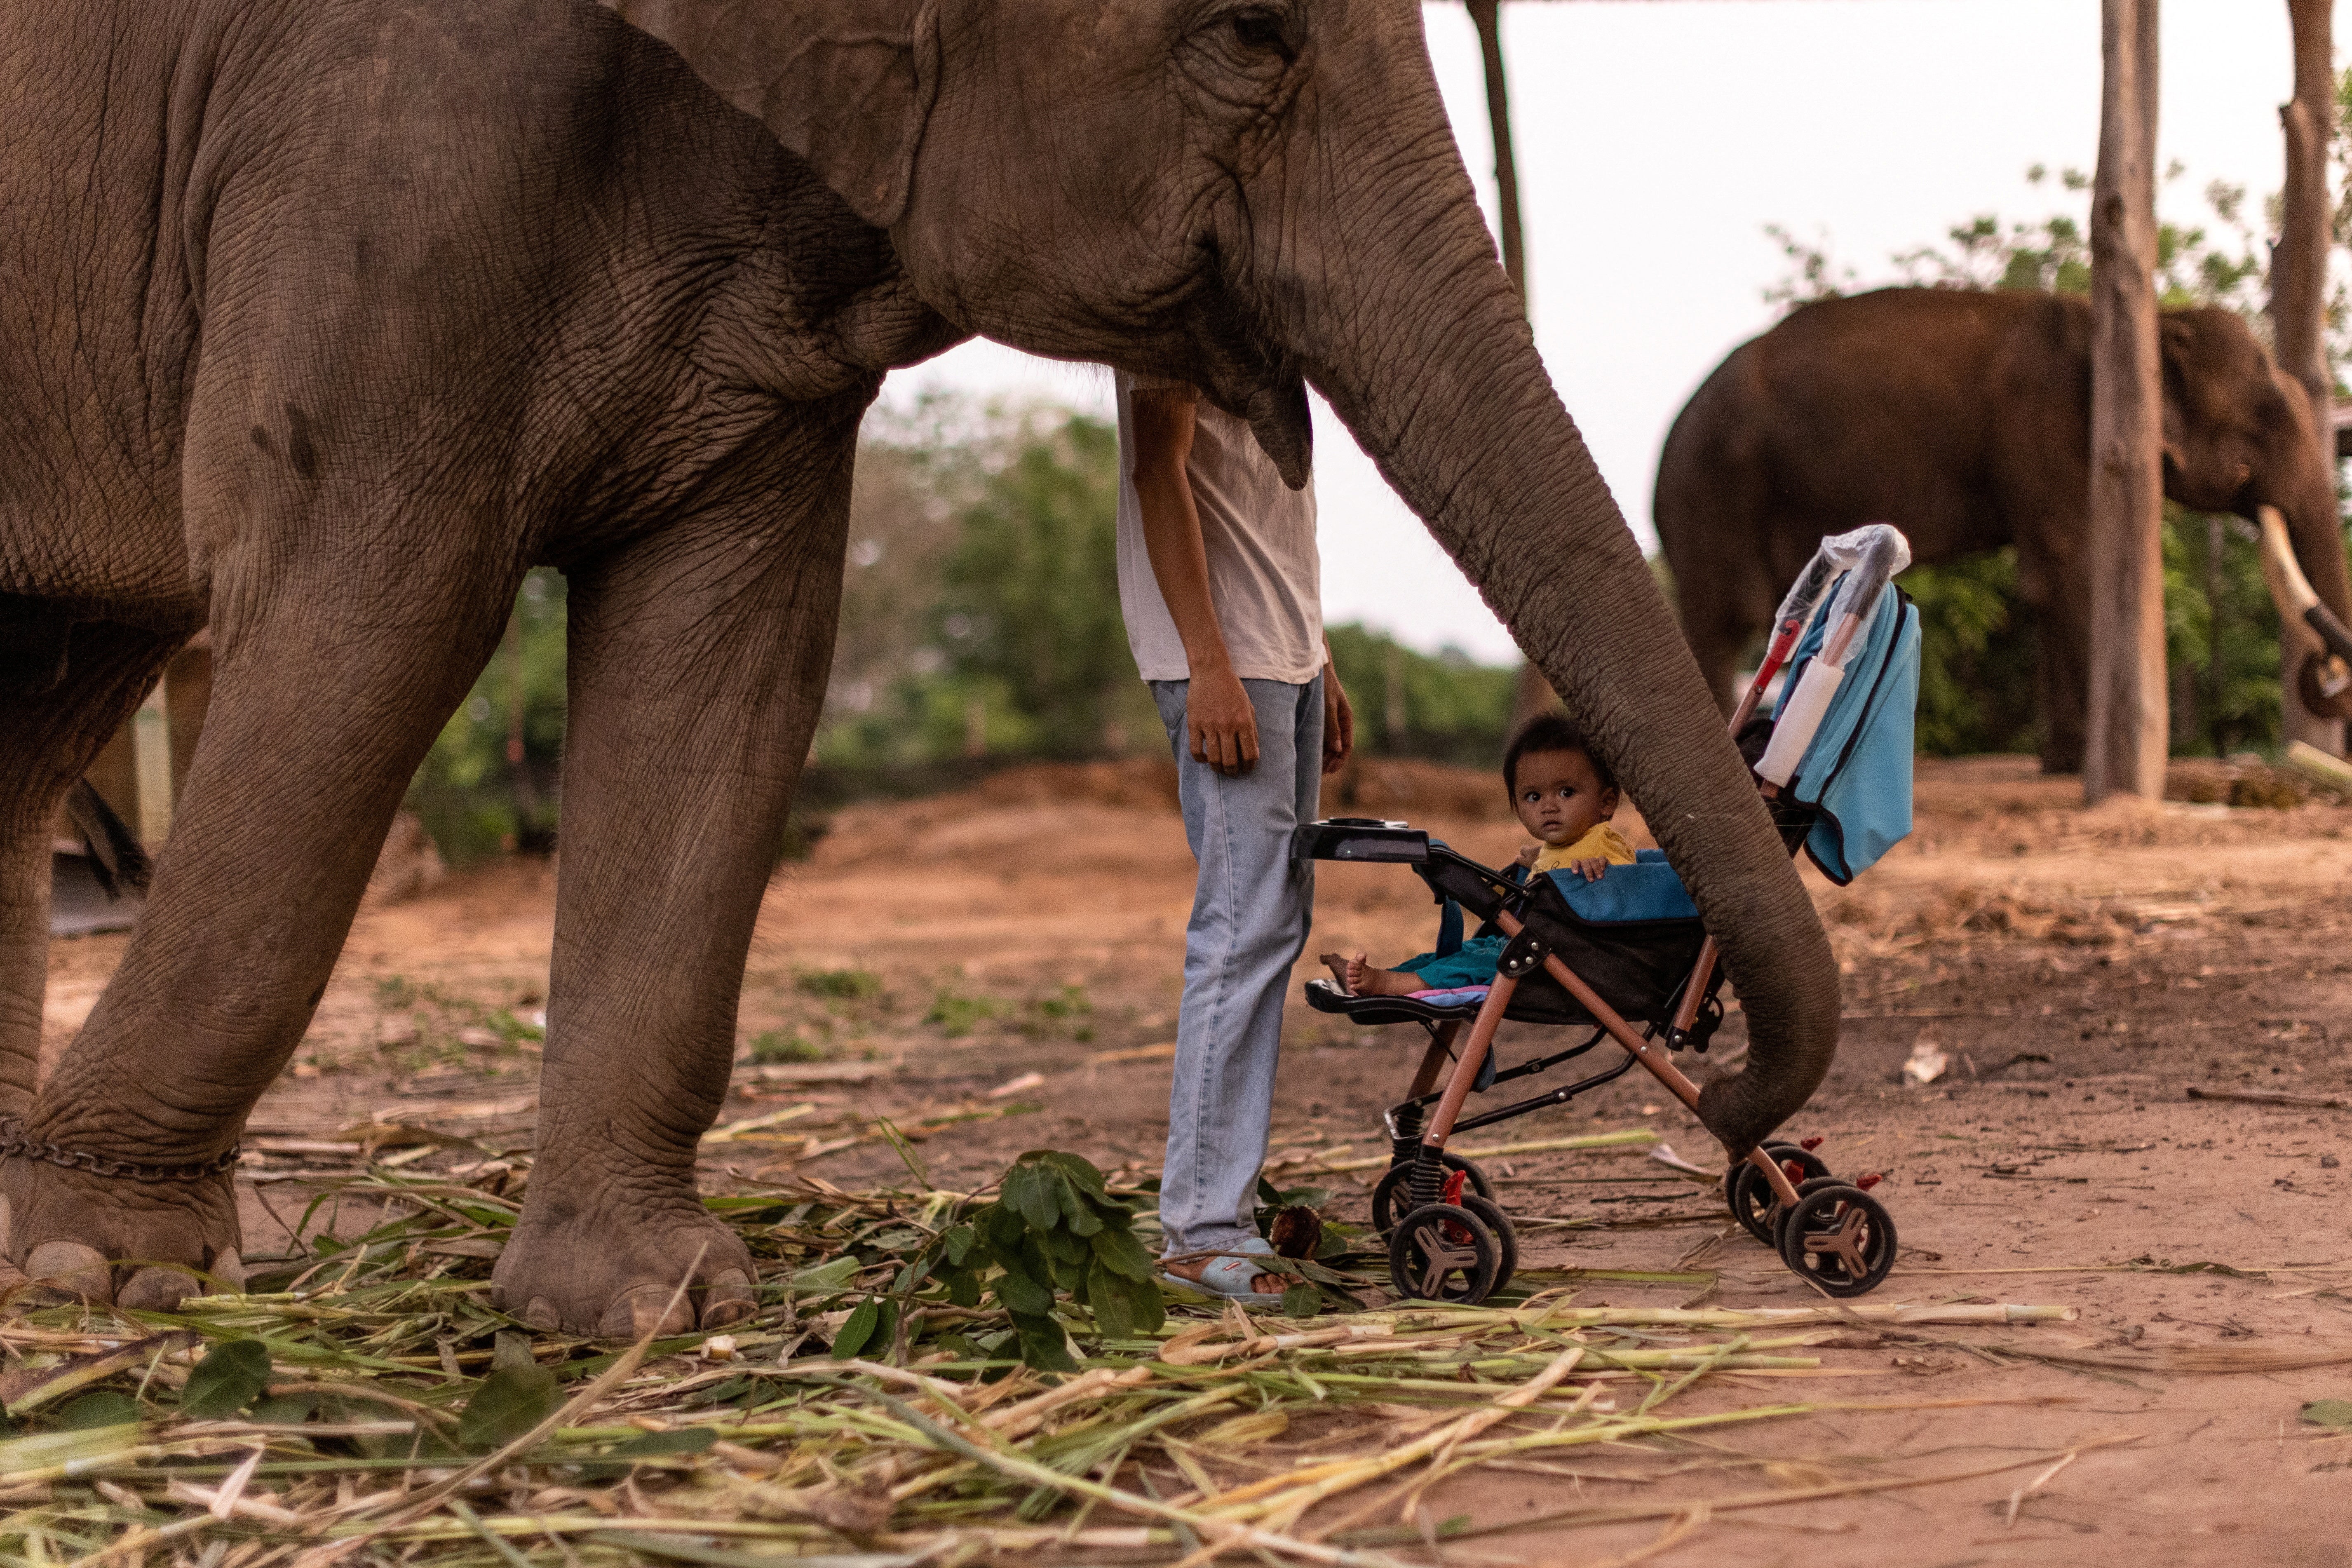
(2291, 590)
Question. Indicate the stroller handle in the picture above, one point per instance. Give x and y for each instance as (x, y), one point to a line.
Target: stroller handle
(1868, 557)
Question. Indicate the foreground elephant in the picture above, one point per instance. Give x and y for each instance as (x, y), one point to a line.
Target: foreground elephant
(322, 321)
(1964, 418)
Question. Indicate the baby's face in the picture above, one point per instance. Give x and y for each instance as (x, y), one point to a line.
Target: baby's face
(1559, 797)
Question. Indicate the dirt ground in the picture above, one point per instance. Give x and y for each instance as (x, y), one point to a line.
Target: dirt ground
(999, 971)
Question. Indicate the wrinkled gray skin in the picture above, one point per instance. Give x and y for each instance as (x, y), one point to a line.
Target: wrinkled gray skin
(322, 321)
(1964, 418)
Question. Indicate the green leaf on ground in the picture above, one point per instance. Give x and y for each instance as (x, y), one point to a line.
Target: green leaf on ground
(619, 1458)
(2328, 1413)
(510, 1402)
(828, 1277)
(230, 1377)
(1021, 1296)
(1044, 1344)
(858, 1331)
(1113, 1314)
(1302, 1301)
(1119, 1252)
(106, 1408)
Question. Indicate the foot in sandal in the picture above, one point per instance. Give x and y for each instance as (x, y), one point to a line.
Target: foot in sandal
(1235, 1277)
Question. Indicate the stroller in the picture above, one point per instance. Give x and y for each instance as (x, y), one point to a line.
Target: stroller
(1628, 958)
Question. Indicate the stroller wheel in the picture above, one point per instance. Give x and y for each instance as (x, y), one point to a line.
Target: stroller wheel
(1750, 1196)
(1393, 1194)
(1440, 1253)
(1506, 1237)
(1839, 1237)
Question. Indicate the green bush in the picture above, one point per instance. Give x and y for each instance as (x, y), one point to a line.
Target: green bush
(848, 985)
(1444, 706)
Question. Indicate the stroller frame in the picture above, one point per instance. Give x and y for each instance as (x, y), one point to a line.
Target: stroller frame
(1452, 1241)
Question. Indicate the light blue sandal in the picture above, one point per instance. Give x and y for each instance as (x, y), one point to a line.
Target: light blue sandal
(1229, 1276)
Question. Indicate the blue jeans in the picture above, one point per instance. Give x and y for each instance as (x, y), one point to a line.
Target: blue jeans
(1251, 909)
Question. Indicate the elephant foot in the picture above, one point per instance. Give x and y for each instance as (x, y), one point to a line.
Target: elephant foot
(613, 1275)
(114, 1241)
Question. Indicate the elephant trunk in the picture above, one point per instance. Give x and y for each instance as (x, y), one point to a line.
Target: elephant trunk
(1418, 342)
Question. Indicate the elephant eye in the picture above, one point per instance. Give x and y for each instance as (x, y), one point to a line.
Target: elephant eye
(1262, 30)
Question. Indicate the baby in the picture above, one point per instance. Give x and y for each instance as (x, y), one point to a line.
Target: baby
(1565, 796)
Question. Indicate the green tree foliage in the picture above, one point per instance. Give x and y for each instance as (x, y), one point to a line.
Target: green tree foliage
(1973, 641)
(1978, 690)
(1030, 600)
(981, 612)
(470, 797)
(1444, 706)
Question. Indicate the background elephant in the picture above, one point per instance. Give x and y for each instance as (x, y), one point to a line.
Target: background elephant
(1964, 418)
(320, 323)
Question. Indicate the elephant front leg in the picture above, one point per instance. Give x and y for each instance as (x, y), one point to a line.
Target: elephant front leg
(320, 713)
(697, 667)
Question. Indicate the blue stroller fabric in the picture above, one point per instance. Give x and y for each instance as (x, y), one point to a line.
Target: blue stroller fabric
(1857, 770)
(1648, 889)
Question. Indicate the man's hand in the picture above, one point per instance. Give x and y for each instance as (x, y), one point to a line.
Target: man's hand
(1220, 724)
(1338, 721)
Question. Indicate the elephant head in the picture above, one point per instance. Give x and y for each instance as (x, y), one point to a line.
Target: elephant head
(2238, 435)
(1255, 195)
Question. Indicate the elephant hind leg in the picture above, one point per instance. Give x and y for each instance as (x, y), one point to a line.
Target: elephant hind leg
(49, 738)
(2052, 582)
(697, 667)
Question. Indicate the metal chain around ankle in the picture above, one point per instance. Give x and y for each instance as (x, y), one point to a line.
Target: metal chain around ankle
(15, 1145)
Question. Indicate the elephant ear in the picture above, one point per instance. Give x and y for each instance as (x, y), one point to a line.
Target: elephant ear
(845, 84)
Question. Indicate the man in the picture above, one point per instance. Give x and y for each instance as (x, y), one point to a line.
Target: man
(1219, 582)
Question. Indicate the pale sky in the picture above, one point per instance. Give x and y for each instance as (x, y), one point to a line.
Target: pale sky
(1655, 141)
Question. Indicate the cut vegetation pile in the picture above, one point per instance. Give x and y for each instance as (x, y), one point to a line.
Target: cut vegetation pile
(932, 1376)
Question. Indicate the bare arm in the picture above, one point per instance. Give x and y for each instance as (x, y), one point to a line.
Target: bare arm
(1339, 717)
(1221, 727)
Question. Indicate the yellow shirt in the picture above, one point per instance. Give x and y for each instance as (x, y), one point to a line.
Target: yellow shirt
(1604, 843)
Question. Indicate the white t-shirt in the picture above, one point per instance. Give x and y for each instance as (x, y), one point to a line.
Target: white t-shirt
(1264, 578)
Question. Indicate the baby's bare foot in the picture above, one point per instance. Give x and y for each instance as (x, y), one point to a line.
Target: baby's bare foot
(1339, 964)
(1370, 982)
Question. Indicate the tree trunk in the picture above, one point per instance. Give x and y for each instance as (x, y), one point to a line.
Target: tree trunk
(2298, 305)
(2125, 748)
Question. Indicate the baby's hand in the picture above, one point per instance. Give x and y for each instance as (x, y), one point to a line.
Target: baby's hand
(1527, 854)
(1592, 870)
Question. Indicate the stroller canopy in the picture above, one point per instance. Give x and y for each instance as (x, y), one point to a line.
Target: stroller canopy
(1857, 772)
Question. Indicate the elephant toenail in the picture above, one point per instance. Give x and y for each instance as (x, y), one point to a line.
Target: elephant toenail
(228, 1268)
(728, 1300)
(68, 1269)
(638, 1313)
(542, 1315)
(159, 1290)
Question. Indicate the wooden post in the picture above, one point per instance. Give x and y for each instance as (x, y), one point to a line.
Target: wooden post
(2126, 745)
(1486, 15)
(1533, 694)
(2298, 304)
